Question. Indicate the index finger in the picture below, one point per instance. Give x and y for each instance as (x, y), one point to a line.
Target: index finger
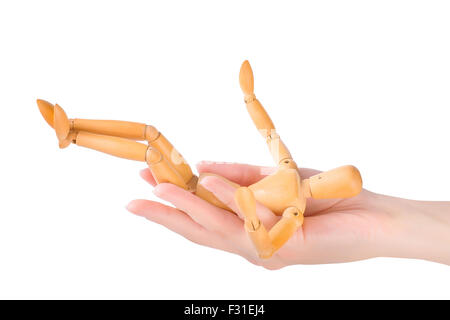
(245, 174)
(242, 174)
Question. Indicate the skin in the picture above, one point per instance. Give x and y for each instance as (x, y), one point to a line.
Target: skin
(338, 230)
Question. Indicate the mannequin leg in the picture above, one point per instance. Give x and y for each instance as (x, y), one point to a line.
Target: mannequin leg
(94, 133)
(117, 128)
(266, 243)
(138, 131)
(128, 149)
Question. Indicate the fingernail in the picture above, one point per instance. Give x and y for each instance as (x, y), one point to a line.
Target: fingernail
(207, 181)
(130, 207)
(213, 162)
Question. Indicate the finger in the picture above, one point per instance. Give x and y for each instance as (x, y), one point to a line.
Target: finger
(175, 220)
(202, 212)
(242, 174)
(245, 174)
(225, 193)
(147, 176)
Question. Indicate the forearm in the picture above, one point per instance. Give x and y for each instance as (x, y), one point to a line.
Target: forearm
(419, 229)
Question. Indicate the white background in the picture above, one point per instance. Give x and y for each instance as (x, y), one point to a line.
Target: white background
(360, 82)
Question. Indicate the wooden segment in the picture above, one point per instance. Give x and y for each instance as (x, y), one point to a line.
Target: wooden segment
(342, 182)
(280, 190)
(261, 241)
(61, 123)
(172, 156)
(46, 109)
(151, 133)
(124, 129)
(247, 206)
(67, 141)
(260, 118)
(161, 169)
(257, 232)
(283, 230)
(246, 78)
(258, 114)
(277, 148)
(119, 147)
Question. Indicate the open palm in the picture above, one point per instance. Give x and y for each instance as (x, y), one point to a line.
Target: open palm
(337, 230)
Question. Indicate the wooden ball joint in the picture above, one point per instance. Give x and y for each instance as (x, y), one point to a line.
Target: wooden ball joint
(284, 192)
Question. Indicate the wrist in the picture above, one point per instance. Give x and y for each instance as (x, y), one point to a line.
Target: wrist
(417, 229)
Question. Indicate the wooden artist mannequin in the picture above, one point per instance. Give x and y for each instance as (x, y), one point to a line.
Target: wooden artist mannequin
(283, 192)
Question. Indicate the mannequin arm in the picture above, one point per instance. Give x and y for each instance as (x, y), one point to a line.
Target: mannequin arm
(260, 117)
(341, 182)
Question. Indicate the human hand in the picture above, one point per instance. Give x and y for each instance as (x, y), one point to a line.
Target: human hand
(337, 230)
